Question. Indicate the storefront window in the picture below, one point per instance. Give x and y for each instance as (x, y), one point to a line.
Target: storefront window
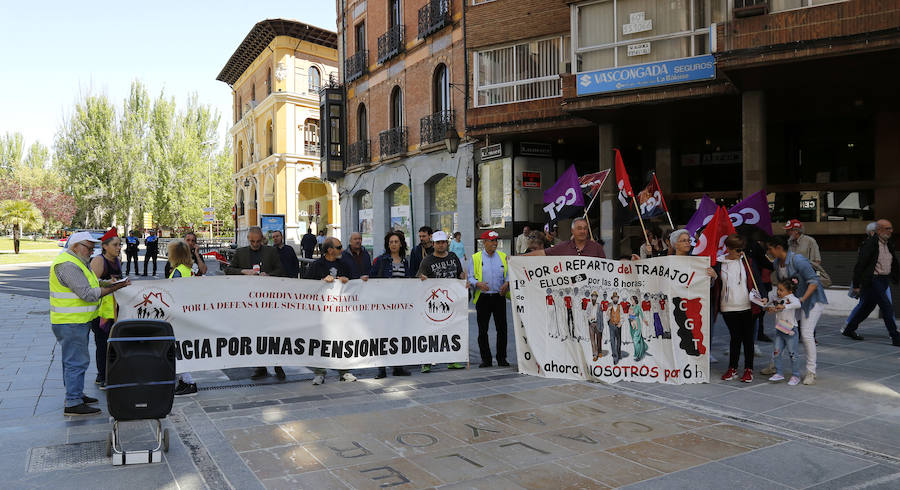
(364, 216)
(443, 205)
(398, 197)
(613, 33)
(821, 151)
(822, 206)
(494, 193)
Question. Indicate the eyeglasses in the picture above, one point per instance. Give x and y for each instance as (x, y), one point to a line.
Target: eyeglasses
(338, 247)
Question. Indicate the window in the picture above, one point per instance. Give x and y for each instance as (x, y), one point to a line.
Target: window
(440, 89)
(362, 123)
(394, 18)
(396, 108)
(311, 136)
(525, 71)
(240, 155)
(315, 79)
(360, 37)
(238, 110)
(442, 203)
(398, 198)
(268, 81)
(270, 136)
(253, 93)
(615, 33)
(240, 202)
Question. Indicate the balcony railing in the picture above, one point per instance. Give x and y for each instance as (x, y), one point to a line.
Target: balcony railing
(434, 16)
(749, 8)
(433, 128)
(356, 65)
(393, 141)
(390, 43)
(311, 148)
(358, 153)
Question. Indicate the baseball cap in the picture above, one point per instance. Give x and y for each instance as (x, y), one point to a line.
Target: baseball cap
(81, 236)
(490, 235)
(439, 236)
(793, 224)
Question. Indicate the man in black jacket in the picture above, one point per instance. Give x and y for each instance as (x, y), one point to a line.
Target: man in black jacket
(875, 269)
(151, 243)
(308, 243)
(422, 250)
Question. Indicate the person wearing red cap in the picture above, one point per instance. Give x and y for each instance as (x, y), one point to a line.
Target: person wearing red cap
(107, 267)
(802, 244)
(489, 275)
(580, 244)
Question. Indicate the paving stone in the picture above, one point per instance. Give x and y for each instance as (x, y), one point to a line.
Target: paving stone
(417, 440)
(609, 469)
(396, 472)
(740, 436)
(879, 477)
(349, 450)
(493, 482)
(532, 420)
(710, 476)
(465, 463)
(544, 396)
(279, 462)
(549, 475)
(462, 409)
(662, 458)
(524, 450)
(320, 480)
(304, 431)
(476, 430)
(698, 445)
(814, 415)
(799, 464)
(260, 437)
(625, 403)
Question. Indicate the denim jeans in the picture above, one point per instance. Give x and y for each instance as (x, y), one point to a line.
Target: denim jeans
(73, 342)
(100, 338)
(785, 343)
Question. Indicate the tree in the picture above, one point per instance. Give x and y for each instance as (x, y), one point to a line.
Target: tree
(10, 152)
(21, 215)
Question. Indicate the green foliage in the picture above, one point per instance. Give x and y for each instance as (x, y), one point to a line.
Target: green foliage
(10, 152)
(150, 156)
(21, 215)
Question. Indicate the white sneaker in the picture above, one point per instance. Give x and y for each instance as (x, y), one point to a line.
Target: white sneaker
(810, 379)
(777, 377)
(348, 377)
(318, 380)
(794, 381)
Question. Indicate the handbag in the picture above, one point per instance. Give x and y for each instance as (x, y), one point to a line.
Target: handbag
(824, 278)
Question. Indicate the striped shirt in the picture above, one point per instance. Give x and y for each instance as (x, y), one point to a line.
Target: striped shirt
(71, 276)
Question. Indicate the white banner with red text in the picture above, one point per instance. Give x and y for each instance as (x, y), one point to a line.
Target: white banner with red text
(607, 320)
(243, 321)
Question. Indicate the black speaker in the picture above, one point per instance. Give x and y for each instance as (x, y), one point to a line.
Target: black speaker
(140, 370)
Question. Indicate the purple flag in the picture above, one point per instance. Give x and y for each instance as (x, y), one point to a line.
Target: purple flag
(564, 199)
(753, 211)
(704, 213)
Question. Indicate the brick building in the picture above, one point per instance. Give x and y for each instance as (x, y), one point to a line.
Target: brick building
(400, 163)
(717, 97)
(275, 75)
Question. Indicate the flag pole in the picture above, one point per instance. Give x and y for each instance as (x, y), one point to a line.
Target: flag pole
(591, 231)
(663, 201)
(644, 228)
(750, 271)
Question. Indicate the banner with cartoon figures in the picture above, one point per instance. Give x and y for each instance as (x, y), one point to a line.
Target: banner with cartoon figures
(609, 320)
(242, 321)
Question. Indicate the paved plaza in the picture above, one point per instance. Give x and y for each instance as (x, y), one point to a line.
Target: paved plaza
(475, 428)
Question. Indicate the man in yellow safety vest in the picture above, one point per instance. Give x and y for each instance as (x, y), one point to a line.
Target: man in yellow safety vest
(75, 294)
(489, 275)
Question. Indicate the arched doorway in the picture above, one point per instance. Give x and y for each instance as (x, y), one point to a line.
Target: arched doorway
(268, 197)
(314, 195)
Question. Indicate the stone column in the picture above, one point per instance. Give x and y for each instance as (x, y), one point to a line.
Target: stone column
(753, 138)
(606, 199)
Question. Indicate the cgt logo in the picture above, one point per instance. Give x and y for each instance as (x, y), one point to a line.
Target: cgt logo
(745, 216)
(690, 325)
(155, 304)
(439, 305)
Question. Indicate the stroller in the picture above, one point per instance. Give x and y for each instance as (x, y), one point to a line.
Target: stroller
(140, 371)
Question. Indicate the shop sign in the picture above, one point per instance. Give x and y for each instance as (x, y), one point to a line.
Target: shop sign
(647, 75)
(535, 149)
(496, 213)
(637, 23)
(639, 49)
(492, 151)
(531, 180)
(715, 158)
(808, 204)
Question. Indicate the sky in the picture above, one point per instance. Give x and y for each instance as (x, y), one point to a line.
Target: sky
(52, 52)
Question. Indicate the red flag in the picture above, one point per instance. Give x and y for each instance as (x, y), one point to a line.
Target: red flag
(712, 241)
(591, 183)
(624, 185)
(661, 198)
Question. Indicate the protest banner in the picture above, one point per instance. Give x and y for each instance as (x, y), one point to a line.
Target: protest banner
(238, 321)
(606, 320)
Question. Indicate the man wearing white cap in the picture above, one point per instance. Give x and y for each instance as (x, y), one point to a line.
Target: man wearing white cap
(75, 294)
(489, 275)
(442, 264)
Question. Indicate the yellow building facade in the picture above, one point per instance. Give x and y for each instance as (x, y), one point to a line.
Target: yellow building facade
(275, 76)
